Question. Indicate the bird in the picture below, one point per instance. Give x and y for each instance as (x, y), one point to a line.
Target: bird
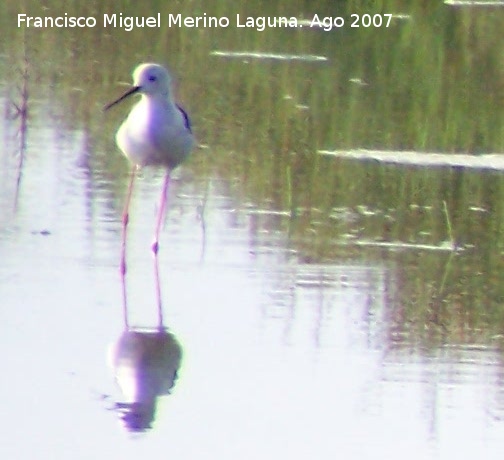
(157, 132)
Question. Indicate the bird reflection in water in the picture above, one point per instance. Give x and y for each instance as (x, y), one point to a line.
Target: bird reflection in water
(145, 363)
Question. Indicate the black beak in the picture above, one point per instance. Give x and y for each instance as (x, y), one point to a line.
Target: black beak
(131, 91)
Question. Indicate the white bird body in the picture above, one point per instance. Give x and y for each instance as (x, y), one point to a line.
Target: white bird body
(155, 133)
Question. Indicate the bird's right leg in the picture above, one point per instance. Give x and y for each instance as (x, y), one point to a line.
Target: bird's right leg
(125, 220)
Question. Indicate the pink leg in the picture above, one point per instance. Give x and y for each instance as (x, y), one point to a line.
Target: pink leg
(161, 213)
(125, 220)
(158, 294)
(125, 302)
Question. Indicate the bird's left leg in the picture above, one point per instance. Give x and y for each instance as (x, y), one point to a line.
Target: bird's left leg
(161, 212)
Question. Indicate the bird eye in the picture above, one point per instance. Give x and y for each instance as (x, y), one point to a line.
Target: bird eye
(152, 78)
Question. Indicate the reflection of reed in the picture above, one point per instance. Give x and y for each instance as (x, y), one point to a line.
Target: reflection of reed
(201, 217)
(21, 112)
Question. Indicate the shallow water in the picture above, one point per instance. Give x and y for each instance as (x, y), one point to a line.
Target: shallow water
(280, 357)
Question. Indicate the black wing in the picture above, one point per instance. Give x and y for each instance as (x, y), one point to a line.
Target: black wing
(187, 122)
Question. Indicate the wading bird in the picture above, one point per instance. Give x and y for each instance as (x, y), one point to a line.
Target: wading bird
(156, 132)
